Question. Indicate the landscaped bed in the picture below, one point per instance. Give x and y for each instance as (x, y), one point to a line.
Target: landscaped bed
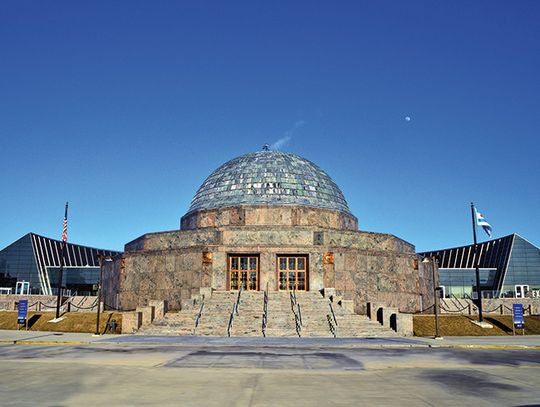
(72, 322)
(461, 325)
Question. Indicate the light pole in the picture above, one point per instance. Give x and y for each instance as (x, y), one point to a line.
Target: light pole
(435, 293)
(102, 258)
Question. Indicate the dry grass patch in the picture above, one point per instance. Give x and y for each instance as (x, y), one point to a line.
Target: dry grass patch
(74, 321)
(461, 325)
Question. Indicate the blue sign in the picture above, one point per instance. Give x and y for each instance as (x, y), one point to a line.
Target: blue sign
(519, 321)
(23, 311)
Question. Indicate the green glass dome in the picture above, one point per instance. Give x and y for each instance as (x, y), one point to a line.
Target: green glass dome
(269, 178)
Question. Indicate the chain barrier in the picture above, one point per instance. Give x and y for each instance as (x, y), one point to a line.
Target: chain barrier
(90, 307)
(448, 310)
(425, 309)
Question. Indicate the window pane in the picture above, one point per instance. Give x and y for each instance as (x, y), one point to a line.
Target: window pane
(234, 280)
(253, 280)
(302, 281)
(292, 281)
(282, 263)
(243, 263)
(301, 263)
(234, 263)
(253, 263)
(282, 281)
(243, 280)
(292, 261)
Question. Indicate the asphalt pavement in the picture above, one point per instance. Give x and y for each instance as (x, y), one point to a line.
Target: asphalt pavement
(60, 369)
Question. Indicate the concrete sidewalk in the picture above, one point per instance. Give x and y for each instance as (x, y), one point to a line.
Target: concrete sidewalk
(44, 338)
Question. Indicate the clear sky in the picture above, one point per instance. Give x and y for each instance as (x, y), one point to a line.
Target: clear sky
(123, 108)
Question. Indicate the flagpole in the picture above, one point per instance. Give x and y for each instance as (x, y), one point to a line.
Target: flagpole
(64, 241)
(476, 265)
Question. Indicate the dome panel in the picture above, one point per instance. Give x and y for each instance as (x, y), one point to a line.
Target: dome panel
(269, 178)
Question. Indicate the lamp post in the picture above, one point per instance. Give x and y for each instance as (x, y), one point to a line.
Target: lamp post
(102, 258)
(435, 293)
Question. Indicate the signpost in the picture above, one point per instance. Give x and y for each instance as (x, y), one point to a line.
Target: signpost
(519, 320)
(22, 313)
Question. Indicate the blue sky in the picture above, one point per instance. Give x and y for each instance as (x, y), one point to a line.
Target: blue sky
(123, 108)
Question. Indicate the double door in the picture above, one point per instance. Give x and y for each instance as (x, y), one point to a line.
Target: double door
(292, 273)
(244, 272)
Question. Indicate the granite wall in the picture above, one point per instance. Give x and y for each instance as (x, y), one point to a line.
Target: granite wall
(174, 265)
(261, 215)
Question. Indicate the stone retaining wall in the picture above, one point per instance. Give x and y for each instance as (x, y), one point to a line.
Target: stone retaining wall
(48, 303)
(500, 306)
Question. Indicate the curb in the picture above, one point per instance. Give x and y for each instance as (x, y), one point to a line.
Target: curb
(489, 346)
(27, 342)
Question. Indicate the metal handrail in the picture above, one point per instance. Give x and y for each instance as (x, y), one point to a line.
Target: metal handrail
(238, 300)
(265, 311)
(299, 314)
(293, 300)
(231, 318)
(297, 318)
(200, 313)
(234, 311)
(333, 315)
(297, 325)
(458, 301)
(331, 325)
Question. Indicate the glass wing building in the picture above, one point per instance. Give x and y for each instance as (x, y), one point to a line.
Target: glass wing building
(509, 267)
(35, 261)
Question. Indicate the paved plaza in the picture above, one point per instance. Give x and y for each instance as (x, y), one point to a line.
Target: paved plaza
(48, 369)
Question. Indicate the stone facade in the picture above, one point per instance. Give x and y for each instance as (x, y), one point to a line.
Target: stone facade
(171, 265)
(292, 215)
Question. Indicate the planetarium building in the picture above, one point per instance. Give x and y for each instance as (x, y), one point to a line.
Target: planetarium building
(269, 221)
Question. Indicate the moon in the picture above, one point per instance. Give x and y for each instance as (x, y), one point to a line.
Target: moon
(407, 118)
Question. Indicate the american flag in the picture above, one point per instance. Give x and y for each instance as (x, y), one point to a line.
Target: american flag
(64, 229)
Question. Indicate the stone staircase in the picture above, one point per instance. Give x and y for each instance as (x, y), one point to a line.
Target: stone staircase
(311, 308)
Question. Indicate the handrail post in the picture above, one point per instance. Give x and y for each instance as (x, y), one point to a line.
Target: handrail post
(231, 320)
(200, 313)
(333, 315)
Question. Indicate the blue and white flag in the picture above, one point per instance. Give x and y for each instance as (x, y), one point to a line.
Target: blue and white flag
(480, 221)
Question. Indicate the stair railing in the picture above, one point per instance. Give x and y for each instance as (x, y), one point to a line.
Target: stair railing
(331, 325)
(295, 308)
(265, 311)
(238, 300)
(231, 318)
(234, 311)
(200, 313)
(333, 314)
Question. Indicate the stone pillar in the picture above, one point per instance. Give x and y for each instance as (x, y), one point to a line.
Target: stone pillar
(404, 324)
(206, 273)
(316, 272)
(267, 271)
(387, 315)
(160, 308)
(131, 322)
(372, 310)
(219, 271)
(329, 270)
(147, 314)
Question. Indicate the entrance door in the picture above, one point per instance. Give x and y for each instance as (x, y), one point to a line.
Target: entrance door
(292, 273)
(521, 291)
(244, 272)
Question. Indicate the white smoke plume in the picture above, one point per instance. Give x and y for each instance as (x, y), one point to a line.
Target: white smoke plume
(287, 136)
